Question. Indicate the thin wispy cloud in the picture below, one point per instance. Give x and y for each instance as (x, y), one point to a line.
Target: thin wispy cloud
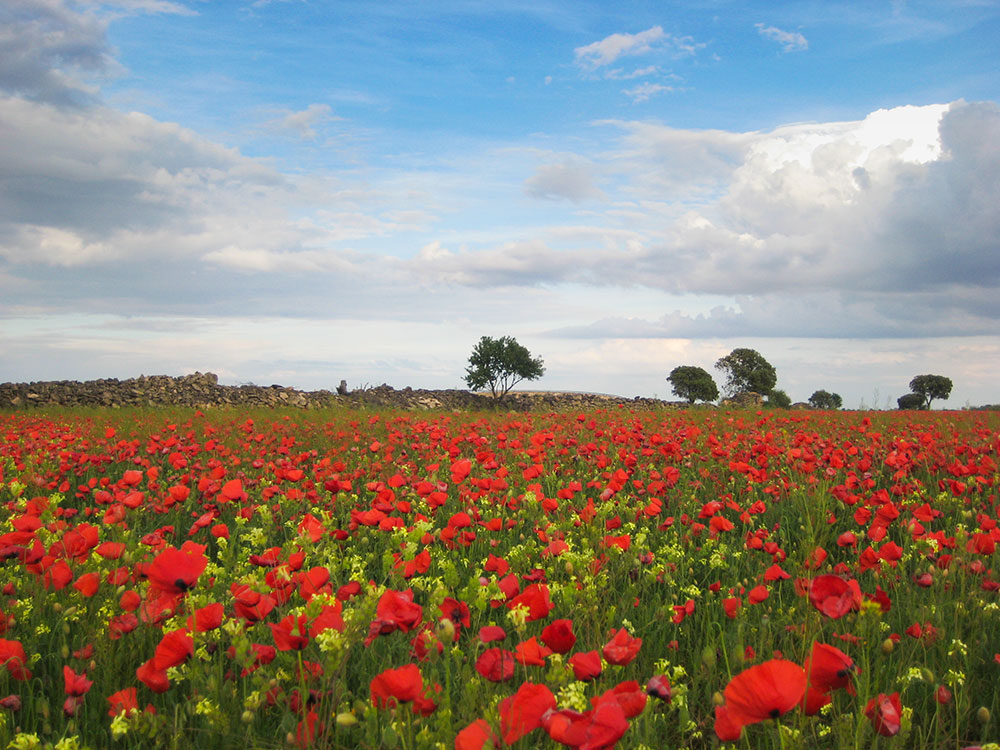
(790, 41)
(646, 91)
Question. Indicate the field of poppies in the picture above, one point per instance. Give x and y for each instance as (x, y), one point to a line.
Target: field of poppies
(442, 580)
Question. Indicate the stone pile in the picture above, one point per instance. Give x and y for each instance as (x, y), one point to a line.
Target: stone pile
(202, 390)
(196, 390)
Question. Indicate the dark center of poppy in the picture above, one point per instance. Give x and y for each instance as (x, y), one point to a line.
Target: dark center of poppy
(181, 584)
(842, 673)
(775, 713)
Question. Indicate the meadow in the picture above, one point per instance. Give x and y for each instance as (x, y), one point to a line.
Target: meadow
(418, 580)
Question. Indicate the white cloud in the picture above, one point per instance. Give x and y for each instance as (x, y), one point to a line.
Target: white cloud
(619, 74)
(303, 123)
(790, 41)
(609, 49)
(572, 179)
(646, 91)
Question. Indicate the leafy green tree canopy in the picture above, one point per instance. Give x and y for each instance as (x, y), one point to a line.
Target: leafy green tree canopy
(825, 400)
(747, 370)
(930, 387)
(778, 399)
(911, 401)
(500, 364)
(693, 383)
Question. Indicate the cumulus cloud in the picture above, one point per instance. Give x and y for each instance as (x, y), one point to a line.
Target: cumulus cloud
(790, 41)
(47, 51)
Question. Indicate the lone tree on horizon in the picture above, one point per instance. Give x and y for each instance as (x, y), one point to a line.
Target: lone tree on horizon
(501, 364)
(930, 387)
(825, 400)
(693, 384)
(747, 370)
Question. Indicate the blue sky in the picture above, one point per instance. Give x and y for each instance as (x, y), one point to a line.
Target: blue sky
(300, 192)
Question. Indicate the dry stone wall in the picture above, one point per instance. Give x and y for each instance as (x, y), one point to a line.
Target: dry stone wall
(202, 390)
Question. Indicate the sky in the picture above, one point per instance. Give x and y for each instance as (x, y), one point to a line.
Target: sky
(299, 192)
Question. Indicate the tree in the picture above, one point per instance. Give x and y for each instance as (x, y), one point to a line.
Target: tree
(746, 370)
(778, 399)
(911, 401)
(693, 383)
(930, 387)
(501, 364)
(825, 400)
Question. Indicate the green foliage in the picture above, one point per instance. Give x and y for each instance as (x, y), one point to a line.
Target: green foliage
(911, 401)
(693, 384)
(825, 400)
(746, 370)
(930, 387)
(500, 364)
(778, 399)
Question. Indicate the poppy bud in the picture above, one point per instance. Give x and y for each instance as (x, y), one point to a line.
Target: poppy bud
(888, 645)
(708, 656)
(983, 715)
(346, 719)
(446, 630)
(247, 717)
(65, 651)
(718, 698)
(926, 675)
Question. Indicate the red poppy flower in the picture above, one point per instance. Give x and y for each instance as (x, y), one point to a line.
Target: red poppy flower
(13, 658)
(531, 652)
(75, 684)
(558, 635)
(490, 633)
(329, 618)
(834, 596)
(475, 736)
(290, 633)
(586, 665)
(726, 729)
(125, 700)
(732, 606)
(884, 712)
(596, 729)
(206, 618)
(496, 665)
(174, 648)
(522, 712)
(829, 668)
(396, 608)
(659, 687)
(153, 678)
(765, 691)
(396, 686)
(87, 584)
(622, 648)
(629, 695)
(175, 571)
(536, 599)
(758, 594)
(250, 605)
(457, 611)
